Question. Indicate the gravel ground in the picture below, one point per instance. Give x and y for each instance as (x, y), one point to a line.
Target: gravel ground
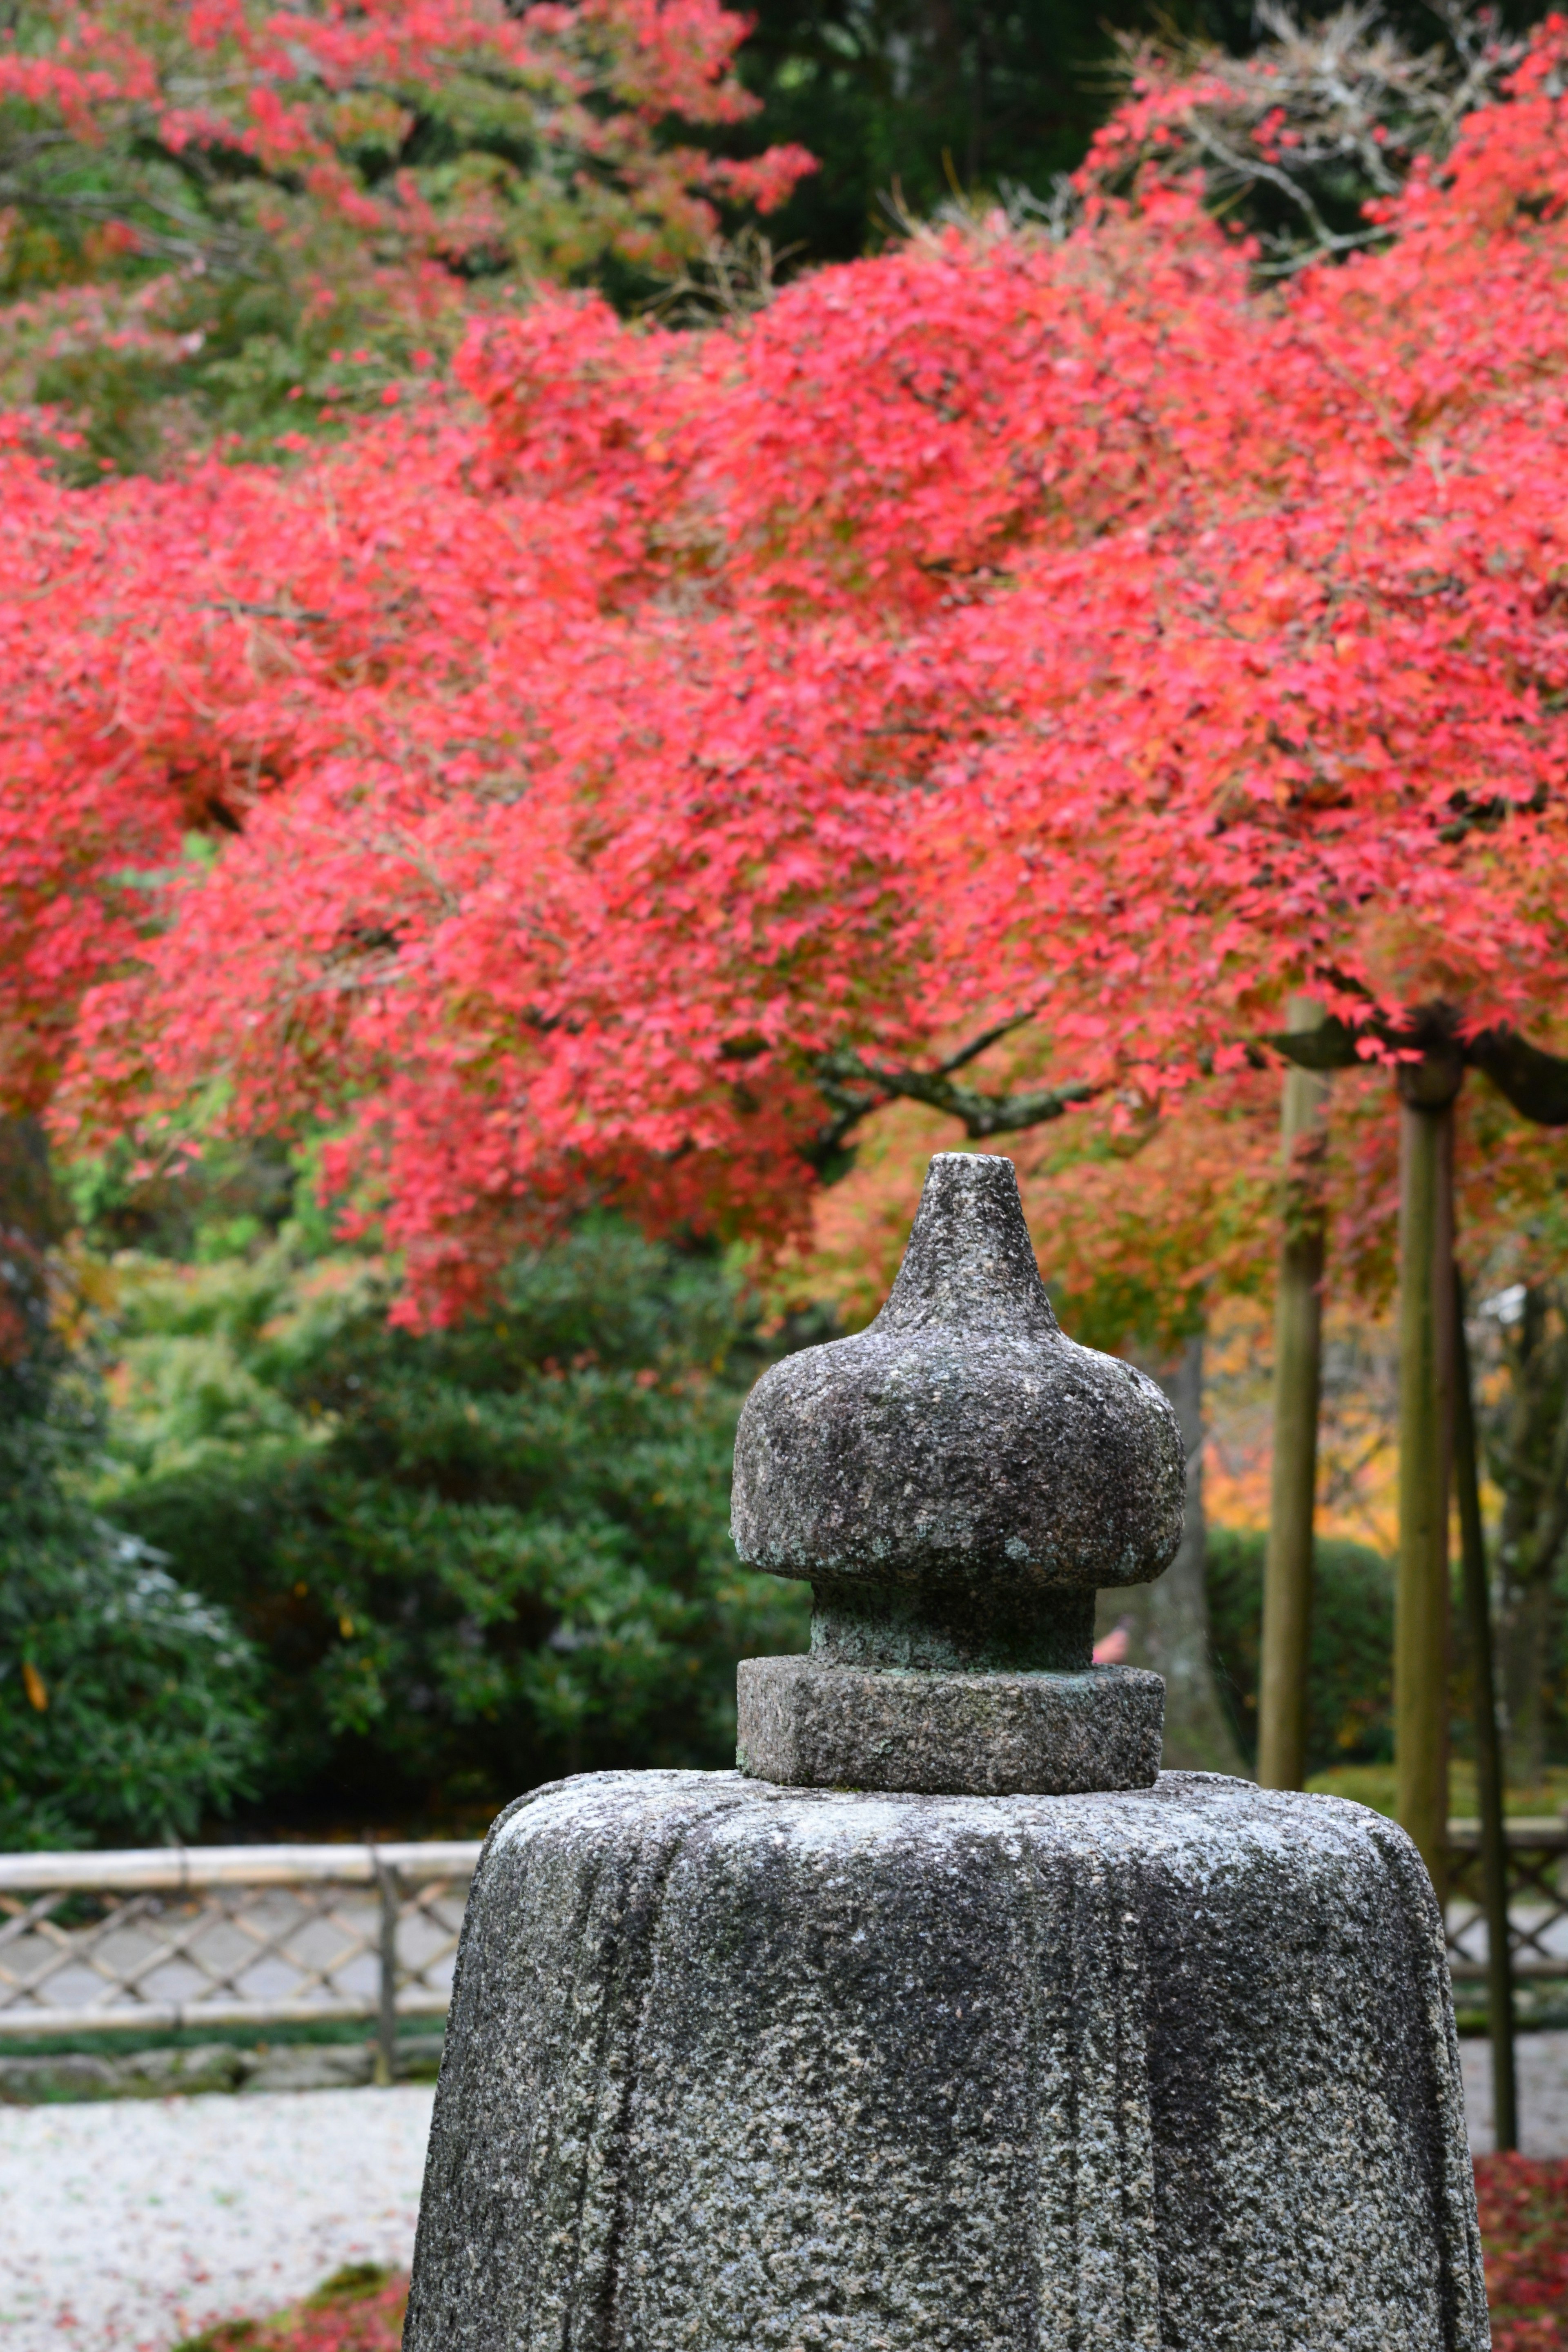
(1541, 2070)
(132, 2224)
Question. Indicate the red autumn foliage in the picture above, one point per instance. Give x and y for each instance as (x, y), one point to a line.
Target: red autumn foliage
(358, 2310)
(298, 96)
(1001, 627)
(238, 222)
(1522, 2204)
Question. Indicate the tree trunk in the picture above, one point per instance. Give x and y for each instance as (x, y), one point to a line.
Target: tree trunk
(31, 1219)
(29, 1203)
(1489, 1757)
(1168, 1621)
(1425, 1398)
(1298, 1369)
(1525, 1632)
(1528, 1452)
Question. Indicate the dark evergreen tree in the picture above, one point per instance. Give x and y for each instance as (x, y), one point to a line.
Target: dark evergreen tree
(127, 1705)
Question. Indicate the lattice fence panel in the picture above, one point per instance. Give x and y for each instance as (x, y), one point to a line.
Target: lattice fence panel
(107, 1958)
(429, 1922)
(1537, 1903)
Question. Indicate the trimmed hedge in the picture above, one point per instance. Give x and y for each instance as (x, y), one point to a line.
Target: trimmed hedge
(1350, 1673)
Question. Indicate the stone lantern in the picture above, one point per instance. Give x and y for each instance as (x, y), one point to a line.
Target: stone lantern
(948, 2023)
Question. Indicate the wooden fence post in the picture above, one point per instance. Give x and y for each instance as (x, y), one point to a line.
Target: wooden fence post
(386, 2021)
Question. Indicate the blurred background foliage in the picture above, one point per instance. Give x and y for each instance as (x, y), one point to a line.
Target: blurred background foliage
(1349, 1687)
(160, 298)
(913, 105)
(130, 1708)
(265, 1559)
(465, 1560)
(264, 226)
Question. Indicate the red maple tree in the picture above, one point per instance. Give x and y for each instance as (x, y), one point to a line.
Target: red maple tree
(246, 223)
(1012, 655)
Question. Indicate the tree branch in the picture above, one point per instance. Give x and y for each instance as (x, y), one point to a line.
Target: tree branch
(1533, 1081)
(853, 1087)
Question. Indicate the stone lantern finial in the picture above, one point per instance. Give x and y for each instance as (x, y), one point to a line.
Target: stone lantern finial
(956, 1482)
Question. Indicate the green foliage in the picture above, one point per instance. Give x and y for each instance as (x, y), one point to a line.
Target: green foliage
(256, 224)
(127, 1705)
(1350, 1692)
(351, 2284)
(472, 1558)
(904, 101)
(909, 102)
(203, 318)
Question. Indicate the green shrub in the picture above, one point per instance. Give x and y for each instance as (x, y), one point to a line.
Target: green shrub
(470, 1559)
(1350, 1690)
(127, 1705)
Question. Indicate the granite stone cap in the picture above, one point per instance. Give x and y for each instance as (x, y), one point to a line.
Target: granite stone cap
(987, 1735)
(961, 1444)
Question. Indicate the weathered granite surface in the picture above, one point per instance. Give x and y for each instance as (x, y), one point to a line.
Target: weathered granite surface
(955, 1481)
(961, 1446)
(733, 2068)
(996, 1735)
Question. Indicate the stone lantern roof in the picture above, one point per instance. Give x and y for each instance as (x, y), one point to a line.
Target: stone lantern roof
(956, 1482)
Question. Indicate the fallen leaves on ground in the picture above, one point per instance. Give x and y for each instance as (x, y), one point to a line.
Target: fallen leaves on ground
(1522, 2203)
(359, 2309)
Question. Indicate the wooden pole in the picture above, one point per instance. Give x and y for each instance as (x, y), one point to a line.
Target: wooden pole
(1298, 1375)
(1488, 1756)
(386, 2018)
(1425, 1327)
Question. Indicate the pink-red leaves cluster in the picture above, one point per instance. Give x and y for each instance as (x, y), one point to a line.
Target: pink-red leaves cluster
(1523, 2208)
(999, 623)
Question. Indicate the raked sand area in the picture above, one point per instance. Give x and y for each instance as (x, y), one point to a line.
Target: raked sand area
(127, 2225)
